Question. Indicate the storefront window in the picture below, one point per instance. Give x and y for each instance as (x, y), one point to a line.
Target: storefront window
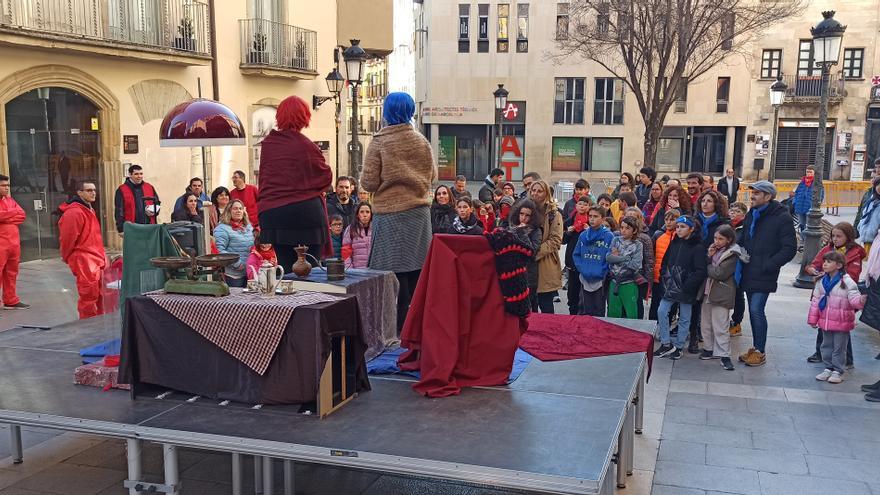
(669, 154)
(606, 154)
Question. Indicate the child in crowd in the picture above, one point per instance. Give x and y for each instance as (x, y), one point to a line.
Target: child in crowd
(487, 216)
(833, 311)
(525, 223)
(662, 239)
(643, 280)
(718, 295)
(260, 253)
(843, 240)
(611, 224)
(737, 213)
(604, 200)
(503, 208)
(465, 222)
(573, 226)
(625, 264)
(336, 227)
(682, 272)
(358, 237)
(589, 258)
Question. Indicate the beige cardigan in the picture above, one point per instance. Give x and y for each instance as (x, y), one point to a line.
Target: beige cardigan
(399, 169)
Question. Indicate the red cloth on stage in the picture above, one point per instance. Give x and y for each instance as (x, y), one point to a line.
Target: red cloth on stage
(457, 332)
(561, 337)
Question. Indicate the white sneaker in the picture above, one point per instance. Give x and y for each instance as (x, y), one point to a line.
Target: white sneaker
(835, 377)
(825, 375)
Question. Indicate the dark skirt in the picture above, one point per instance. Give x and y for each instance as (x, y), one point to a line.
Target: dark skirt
(294, 224)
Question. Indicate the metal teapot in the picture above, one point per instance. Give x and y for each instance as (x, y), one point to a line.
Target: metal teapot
(267, 278)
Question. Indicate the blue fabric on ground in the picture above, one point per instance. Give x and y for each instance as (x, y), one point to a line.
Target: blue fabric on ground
(97, 352)
(386, 364)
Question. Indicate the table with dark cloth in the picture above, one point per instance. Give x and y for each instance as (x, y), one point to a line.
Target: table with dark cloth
(376, 292)
(457, 332)
(158, 349)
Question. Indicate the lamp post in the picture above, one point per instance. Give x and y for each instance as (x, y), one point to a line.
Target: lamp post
(354, 57)
(777, 94)
(500, 95)
(827, 40)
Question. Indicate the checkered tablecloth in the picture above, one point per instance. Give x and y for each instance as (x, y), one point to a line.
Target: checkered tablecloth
(247, 326)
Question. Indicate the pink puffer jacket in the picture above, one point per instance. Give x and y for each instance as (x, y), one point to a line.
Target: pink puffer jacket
(840, 312)
(360, 247)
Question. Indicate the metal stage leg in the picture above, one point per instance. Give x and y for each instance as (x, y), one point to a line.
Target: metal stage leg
(630, 439)
(640, 405)
(15, 444)
(236, 474)
(620, 475)
(268, 478)
(133, 450)
(172, 475)
(289, 478)
(258, 475)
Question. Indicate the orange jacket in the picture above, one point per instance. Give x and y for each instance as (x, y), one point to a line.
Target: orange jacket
(11, 216)
(661, 244)
(79, 233)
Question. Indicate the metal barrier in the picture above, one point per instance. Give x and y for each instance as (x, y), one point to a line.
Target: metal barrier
(837, 193)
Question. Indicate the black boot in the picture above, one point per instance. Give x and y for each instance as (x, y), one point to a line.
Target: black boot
(873, 396)
(815, 358)
(873, 387)
(694, 345)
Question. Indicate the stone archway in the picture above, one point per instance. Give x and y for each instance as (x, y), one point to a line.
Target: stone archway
(108, 114)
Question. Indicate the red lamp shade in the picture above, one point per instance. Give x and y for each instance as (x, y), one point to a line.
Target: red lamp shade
(201, 122)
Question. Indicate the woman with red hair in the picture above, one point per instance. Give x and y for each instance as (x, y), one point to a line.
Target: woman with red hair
(293, 177)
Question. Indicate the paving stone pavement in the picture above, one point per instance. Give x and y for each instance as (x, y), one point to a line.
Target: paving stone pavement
(767, 430)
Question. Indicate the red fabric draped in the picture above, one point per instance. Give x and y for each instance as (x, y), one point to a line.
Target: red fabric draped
(562, 337)
(457, 332)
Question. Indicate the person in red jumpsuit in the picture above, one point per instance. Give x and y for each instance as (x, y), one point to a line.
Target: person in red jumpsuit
(11, 216)
(82, 248)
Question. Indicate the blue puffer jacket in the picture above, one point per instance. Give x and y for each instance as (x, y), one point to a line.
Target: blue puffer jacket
(239, 242)
(590, 251)
(803, 197)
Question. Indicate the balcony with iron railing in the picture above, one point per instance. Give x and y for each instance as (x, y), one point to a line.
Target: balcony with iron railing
(274, 49)
(173, 30)
(808, 89)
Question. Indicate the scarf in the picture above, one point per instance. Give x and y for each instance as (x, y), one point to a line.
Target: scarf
(461, 227)
(808, 180)
(648, 210)
(828, 284)
(580, 222)
(237, 225)
(756, 214)
(706, 223)
(268, 255)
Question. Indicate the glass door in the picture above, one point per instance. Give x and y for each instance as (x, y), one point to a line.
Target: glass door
(50, 149)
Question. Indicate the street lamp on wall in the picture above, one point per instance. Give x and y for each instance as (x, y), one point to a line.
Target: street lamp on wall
(500, 96)
(335, 83)
(354, 57)
(777, 95)
(827, 40)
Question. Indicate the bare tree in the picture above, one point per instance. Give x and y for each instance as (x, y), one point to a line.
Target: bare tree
(658, 46)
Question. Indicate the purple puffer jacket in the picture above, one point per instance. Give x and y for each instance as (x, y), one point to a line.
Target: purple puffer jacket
(840, 312)
(360, 247)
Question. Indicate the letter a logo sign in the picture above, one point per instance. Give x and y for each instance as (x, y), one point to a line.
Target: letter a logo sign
(510, 111)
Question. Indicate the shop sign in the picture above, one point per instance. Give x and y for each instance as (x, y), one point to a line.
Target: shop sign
(448, 111)
(514, 112)
(129, 144)
(446, 158)
(94, 123)
(567, 154)
(512, 157)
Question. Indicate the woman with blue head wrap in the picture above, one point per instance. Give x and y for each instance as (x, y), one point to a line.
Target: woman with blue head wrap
(399, 108)
(399, 170)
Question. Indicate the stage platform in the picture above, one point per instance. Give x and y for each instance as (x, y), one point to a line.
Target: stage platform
(562, 427)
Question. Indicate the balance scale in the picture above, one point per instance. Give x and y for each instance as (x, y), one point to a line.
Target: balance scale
(186, 275)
